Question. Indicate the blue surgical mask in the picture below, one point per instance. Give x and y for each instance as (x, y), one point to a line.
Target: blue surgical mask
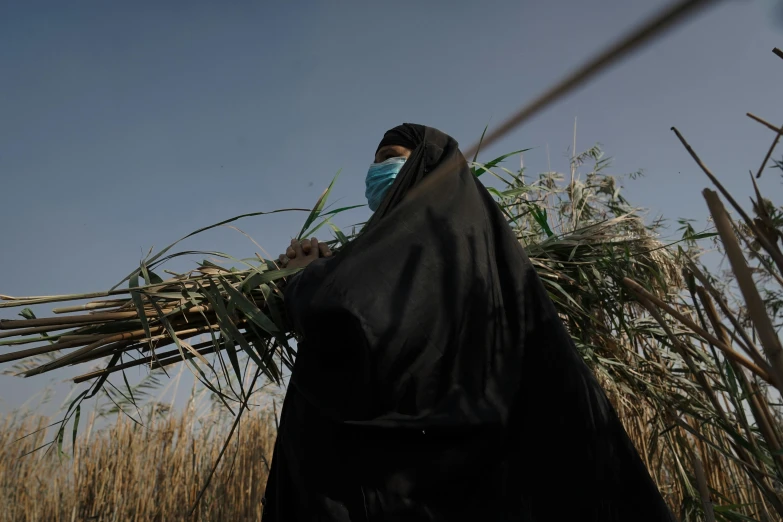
(380, 177)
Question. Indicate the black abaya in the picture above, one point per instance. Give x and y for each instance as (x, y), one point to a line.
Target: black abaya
(434, 380)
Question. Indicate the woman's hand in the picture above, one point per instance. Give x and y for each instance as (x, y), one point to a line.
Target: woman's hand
(301, 254)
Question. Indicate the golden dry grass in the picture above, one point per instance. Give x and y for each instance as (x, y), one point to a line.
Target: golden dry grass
(127, 472)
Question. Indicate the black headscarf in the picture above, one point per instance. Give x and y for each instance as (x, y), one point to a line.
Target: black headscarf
(406, 135)
(434, 380)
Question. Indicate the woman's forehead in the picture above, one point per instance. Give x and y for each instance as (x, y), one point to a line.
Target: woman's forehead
(392, 148)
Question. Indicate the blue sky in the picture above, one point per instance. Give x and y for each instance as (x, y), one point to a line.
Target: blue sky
(126, 125)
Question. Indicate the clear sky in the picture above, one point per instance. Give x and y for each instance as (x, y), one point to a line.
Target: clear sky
(125, 125)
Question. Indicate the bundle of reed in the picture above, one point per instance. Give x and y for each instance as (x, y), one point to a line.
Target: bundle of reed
(152, 317)
(239, 311)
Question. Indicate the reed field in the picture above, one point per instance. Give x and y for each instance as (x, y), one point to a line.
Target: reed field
(131, 472)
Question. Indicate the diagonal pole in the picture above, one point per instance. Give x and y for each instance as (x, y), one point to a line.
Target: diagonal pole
(633, 41)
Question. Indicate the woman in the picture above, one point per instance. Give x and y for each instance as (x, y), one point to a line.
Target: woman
(434, 380)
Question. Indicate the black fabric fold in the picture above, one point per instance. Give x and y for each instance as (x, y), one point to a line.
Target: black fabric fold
(434, 380)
